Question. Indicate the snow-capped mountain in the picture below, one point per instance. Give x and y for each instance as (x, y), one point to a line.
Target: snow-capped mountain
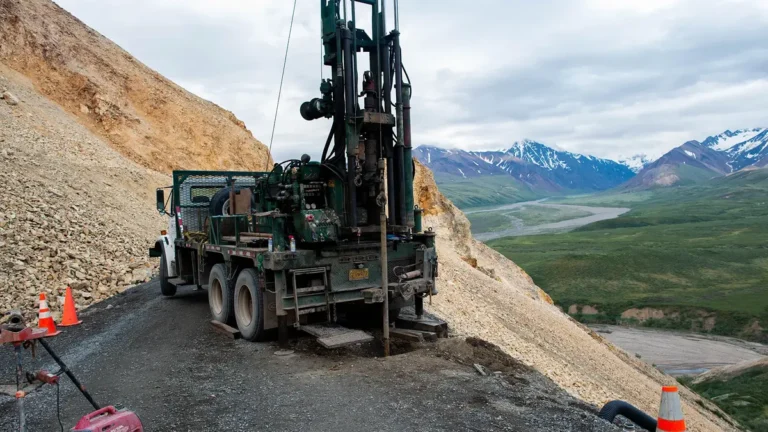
(530, 162)
(545, 169)
(636, 162)
(715, 156)
(744, 147)
(729, 139)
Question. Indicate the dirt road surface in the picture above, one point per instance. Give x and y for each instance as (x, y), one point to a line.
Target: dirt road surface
(679, 353)
(162, 359)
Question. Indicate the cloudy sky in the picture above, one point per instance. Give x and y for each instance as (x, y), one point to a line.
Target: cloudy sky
(604, 77)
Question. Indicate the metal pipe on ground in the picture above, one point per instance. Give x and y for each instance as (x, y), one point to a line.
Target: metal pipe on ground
(625, 409)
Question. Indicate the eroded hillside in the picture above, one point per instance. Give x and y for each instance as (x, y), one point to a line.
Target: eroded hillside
(140, 113)
(87, 133)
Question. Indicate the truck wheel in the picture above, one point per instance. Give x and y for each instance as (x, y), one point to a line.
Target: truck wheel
(220, 295)
(249, 306)
(220, 201)
(166, 288)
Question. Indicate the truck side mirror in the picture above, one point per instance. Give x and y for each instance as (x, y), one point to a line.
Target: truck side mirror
(160, 196)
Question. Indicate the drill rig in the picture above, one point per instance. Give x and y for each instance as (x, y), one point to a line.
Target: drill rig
(309, 241)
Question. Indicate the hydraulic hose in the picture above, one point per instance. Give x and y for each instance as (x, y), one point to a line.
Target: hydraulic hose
(632, 413)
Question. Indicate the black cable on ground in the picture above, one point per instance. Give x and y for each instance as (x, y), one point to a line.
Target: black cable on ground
(58, 407)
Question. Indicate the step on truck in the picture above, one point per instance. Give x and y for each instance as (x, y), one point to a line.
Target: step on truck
(308, 241)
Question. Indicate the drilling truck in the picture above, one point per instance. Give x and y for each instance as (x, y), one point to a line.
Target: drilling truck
(308, 241)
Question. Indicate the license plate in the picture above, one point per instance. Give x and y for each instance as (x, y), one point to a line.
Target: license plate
(358, 274)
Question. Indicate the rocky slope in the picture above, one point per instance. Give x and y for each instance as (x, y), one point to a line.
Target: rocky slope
(73, 211)
(87, 133)
(140, 113)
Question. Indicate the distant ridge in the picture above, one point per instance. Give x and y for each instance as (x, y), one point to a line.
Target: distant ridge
(715, 156)
(536, 165)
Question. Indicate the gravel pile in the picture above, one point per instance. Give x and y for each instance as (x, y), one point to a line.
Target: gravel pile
(72, 210)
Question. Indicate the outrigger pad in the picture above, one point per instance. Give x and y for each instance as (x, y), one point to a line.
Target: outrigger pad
(437, 326)
(336, 336)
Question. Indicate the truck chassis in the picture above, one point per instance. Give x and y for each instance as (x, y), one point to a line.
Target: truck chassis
(258, 288)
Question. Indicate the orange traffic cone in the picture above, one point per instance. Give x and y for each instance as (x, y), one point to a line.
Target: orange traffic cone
(670, 411)
(69, 318)
(45, 319)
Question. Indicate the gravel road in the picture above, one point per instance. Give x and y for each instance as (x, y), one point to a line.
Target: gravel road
(161, 358)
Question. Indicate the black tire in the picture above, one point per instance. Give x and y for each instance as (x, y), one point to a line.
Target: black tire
(249, 306)
(220, 201)
(221, 295)
(166, 288)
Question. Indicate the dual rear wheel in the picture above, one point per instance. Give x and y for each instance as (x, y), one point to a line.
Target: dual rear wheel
(237, 302)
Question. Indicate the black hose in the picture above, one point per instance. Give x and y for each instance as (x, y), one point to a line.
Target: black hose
(69, 373)
(406, 75)
(632, 413)
(333, 170)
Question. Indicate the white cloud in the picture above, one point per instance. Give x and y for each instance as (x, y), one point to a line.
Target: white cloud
(603, 77)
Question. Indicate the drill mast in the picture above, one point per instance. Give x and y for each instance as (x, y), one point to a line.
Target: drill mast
(362, 136)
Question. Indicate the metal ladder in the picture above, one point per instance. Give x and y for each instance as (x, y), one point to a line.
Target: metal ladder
(299, 292)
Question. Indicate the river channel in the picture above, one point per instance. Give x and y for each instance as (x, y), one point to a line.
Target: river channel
(518, 227)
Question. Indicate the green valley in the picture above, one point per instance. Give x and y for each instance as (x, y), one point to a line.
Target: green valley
(738, 390)
(484, 191)
(698, 252)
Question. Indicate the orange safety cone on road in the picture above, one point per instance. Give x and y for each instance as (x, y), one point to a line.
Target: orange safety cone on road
(670, 411)
(45, 320)
(69, 318)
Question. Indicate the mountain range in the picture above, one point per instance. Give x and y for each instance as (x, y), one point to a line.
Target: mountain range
(530, 163)
(715, 156)
(540, 170)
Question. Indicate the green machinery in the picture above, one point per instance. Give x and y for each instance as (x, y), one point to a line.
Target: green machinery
(309, 241)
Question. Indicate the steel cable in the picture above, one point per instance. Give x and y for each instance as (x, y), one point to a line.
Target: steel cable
(280, 89)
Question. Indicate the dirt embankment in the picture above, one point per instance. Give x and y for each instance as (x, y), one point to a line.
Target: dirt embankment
(87, 133)
(140, 113)
(725, 373)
